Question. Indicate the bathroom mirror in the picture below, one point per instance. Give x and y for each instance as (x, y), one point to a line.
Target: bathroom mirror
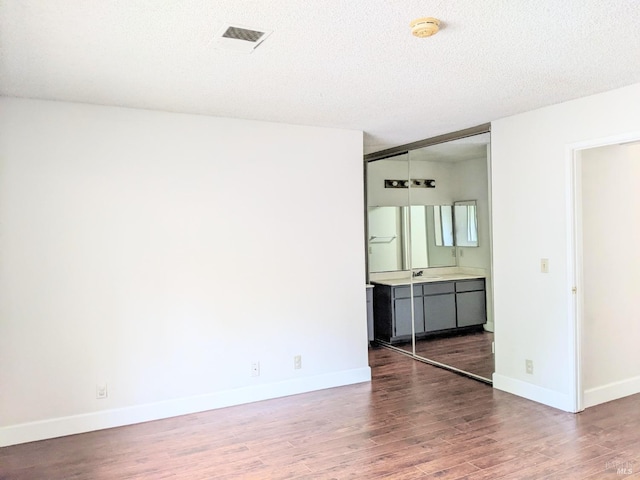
(466, 223)
(430, 243)
(443, 225)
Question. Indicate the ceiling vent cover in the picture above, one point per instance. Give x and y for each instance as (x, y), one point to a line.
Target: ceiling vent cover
(242, 34)
(239, 38)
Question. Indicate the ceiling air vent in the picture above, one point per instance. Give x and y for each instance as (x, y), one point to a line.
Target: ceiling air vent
(240, 39)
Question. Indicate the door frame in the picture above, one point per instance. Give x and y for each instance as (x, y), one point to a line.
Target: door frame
(573, 155)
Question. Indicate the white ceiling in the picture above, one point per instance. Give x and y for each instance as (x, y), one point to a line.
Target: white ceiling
(335, 63)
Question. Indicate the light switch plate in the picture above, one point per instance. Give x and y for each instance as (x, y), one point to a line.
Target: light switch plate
(101, 391)
(544, 265)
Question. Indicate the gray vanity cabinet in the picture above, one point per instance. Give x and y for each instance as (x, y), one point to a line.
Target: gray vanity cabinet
(392, 312)
(402, 310)
(437, 306)
(471, 302)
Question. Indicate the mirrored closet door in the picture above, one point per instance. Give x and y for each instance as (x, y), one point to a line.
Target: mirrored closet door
(389, 250)
(433, 286)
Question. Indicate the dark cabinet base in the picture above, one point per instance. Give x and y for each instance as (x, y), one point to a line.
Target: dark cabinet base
(450, 332)
(439, 308)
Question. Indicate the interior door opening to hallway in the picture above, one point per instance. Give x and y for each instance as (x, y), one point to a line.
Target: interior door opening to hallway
(607, 232)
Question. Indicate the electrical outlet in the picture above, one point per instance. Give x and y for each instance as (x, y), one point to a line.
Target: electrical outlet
(528, 365)
(297, 362)
(544, 265)
(101, 391)
(255, 369)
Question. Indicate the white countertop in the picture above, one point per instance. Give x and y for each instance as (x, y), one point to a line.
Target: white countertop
(444, 277)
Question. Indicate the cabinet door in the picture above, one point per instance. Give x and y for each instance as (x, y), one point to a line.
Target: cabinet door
(418, 314)
(471, 308)
(402, 310)
(402, 317)
(439, 312)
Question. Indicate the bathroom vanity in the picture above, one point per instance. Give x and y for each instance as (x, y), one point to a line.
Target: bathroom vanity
(444, 304)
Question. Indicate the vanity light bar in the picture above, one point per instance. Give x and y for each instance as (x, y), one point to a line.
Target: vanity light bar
(414, 182)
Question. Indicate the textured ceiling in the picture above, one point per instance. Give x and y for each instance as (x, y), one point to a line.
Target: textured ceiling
(335, 63)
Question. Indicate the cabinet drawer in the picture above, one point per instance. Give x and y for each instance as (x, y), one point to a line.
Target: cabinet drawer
(438, 288)
(469, 285)
(405, 292)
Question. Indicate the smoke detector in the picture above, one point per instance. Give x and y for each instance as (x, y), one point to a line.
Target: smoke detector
(425, 27)
(239, 38)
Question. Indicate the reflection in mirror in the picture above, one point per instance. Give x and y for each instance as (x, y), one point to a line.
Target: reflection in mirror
(390, 242)
(443, 225)
(411, 229)
(386, 252)
(466, 223)
(460, 171)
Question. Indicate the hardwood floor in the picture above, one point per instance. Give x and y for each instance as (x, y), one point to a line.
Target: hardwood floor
(470, 352)
(413, 421)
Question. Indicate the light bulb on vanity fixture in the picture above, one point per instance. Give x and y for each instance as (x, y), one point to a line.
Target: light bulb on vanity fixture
(413, 183)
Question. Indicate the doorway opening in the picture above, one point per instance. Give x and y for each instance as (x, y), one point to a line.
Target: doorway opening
(605, 213)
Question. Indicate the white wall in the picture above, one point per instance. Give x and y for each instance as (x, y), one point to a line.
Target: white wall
(162, 254)
(611, 272)
(530, 192)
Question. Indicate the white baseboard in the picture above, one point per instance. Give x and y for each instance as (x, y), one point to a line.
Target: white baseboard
(536, 393)
(611, 391)
(58, 427)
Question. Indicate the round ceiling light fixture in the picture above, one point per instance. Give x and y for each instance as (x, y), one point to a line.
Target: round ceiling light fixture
(425, 27)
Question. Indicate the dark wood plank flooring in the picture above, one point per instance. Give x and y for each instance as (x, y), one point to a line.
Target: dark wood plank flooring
(470, 352)
(414, 421)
